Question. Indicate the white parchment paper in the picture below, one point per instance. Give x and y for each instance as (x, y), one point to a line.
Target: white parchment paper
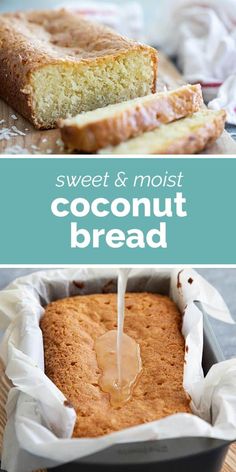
(39, 426)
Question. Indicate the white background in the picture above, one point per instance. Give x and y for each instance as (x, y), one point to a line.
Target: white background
(149, 6)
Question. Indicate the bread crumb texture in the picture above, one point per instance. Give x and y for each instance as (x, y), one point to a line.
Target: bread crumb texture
(70, 327)
(55, 64)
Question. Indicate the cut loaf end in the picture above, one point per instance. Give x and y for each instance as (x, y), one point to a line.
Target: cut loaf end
(64, 90)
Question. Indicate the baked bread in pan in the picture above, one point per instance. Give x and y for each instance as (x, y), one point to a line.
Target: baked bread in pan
(70, 328)
(55, 64)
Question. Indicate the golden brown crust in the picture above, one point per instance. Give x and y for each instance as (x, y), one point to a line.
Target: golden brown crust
(136, 119)
(32, 40)
(155, 69)
(189, 135)
(70, 327)
(203, 137)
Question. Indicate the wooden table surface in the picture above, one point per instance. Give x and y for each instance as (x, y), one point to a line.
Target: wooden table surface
(18, 136)
(230, 463)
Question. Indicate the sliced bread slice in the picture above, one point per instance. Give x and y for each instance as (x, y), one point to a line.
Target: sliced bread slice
(114, 124)
(187, 136)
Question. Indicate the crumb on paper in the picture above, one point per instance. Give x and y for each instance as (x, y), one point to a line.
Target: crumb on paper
(79, 284)
(33, 146)
(26, 129)
(68, 404)
(49, 151)
(109, 286)
(179, 284)
(44, 140)
(185, 308)
(2, 121)
(14, 117)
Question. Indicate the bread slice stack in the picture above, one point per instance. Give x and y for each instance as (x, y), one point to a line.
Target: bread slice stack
(173, 122)
(190, 135)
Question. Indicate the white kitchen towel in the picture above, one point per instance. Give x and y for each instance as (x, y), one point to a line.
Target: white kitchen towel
(202, 34)
(127, 18)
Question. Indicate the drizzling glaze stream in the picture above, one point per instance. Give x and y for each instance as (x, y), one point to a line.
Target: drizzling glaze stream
(118, 355)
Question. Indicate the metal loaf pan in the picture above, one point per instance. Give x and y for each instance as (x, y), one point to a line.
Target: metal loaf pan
(178, 455)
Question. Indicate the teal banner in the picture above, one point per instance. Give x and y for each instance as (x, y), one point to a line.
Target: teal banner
(117, 211)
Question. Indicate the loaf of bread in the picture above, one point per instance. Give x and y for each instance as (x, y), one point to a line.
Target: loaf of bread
(55, 64)
(190, 135)
(70, 328)
(109, 126)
